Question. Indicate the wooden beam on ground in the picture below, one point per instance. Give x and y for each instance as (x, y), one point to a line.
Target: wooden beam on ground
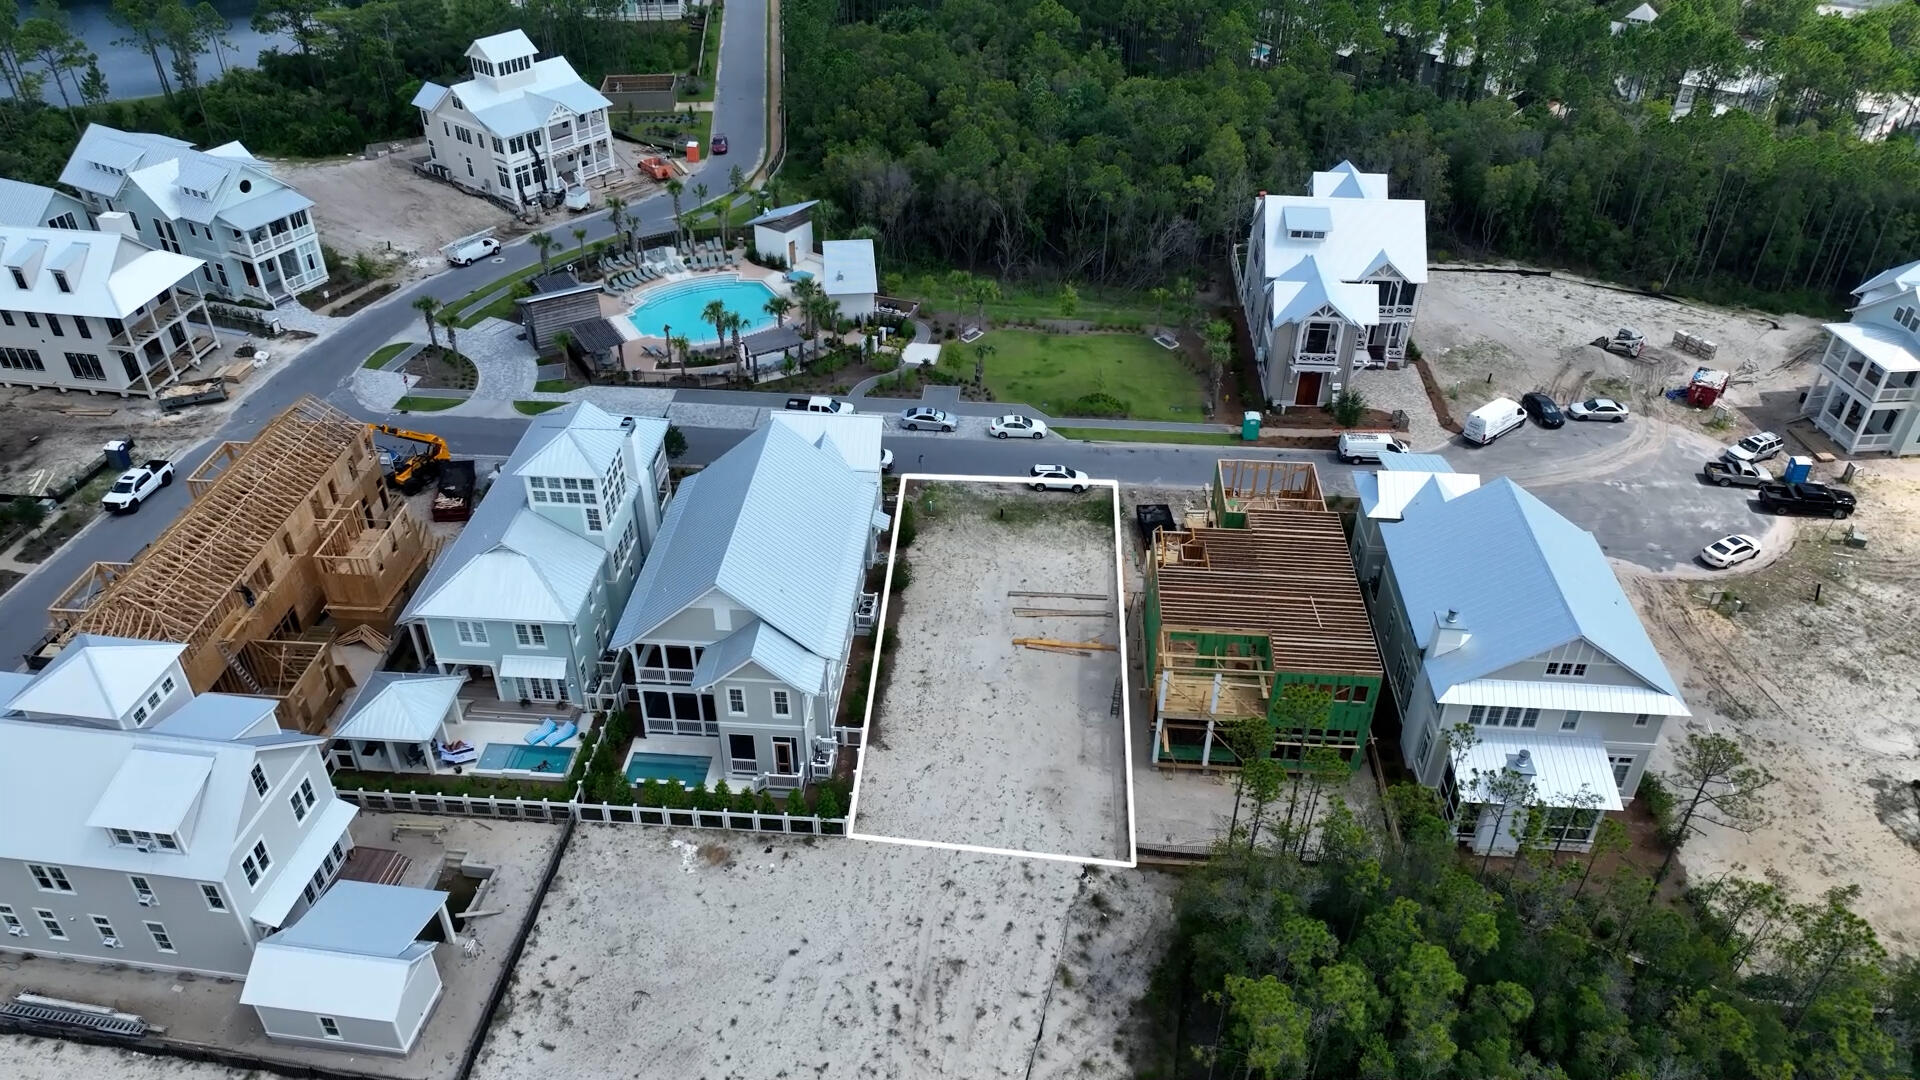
(1038, 612)
(1050, 643)
(1060, 595)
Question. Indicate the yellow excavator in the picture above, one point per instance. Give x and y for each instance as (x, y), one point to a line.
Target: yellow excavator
(415, 471)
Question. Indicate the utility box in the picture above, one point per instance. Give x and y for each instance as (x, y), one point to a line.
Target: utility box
(693, 151)
(119, 453)
(1250, 425)
(1799, 469)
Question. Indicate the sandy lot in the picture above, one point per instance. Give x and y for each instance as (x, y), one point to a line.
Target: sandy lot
(701, 954)
(382, 206)
(1821, 693)
(25, 1058)
(981, 741)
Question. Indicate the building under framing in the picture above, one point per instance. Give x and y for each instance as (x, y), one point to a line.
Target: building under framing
(1254, 610)
(283, 531)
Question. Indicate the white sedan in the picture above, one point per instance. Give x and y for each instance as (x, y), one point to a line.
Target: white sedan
(1057, 478)
(1730, 550)
(1026, 427)
(1598, 408)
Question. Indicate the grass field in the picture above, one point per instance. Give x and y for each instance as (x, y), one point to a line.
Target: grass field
(535, 408)
(426, 404)
(1053, 372)
(1031, 302)
(710, 62)
(1203, 438)
(386, 353)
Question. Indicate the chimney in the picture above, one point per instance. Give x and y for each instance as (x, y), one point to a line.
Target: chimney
(117, 221)
(1448, 633)
(1521, 763)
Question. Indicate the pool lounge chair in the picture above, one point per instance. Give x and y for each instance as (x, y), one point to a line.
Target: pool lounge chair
(457, 753)
(564, 732)
(538, 735)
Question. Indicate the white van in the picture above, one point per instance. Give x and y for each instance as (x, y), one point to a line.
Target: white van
(1492, 420)
(1358, 446)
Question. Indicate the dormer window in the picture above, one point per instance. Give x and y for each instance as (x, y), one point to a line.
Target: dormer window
(60, 281)
(1567, 671)
(1908, 318)
(1306, 234)
(140, 716)
(19, 279)
(144, 841)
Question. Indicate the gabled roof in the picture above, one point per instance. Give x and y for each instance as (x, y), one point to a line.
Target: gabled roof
(1524, 580)
(1367, 229)
(848, 268)
(1346, 181)
(99, 678)
(853, 436)
(108, 275)
(530, 101)
(349, 955)
(153, 790)
(30, 204)
(1305, 288)
(536, 571)
(775, 653)
(1384, 495)
(506, 45)
(400, 707)
(221, 718)
(780, 213)
(429, 96)
(1887, 283)
(778, 525)
(582, 444)
(104, 156)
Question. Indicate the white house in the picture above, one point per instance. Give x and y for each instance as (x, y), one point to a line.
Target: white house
(1330, 282)
(98, 311)
(785, 233)
(398, 723)
(222, 206)
(1496, 613)
(521, 129)
(1864, 394)
(849, 277)
(33, 207)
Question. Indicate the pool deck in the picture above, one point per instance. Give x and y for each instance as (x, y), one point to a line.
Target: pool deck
(483, 732)
(683, 746)
(618, 307)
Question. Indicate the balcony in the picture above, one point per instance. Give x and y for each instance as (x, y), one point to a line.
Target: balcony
(265, 241)
(140, 327)
(1309, 361)
(1854, 377)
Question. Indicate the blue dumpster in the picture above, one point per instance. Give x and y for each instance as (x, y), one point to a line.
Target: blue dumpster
(119, 453)
(1250, 425)
(1799, 469)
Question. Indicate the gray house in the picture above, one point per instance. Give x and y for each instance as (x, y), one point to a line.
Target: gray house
(524, 599)
(740, 624)
(1496, 613)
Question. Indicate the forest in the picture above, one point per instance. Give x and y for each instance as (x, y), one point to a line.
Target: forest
(1124, 142)
(347, 81)
(1306, 951)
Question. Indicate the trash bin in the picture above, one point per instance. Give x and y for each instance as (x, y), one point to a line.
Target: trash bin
(1798, 470)
(1250, 425)
(119, 453)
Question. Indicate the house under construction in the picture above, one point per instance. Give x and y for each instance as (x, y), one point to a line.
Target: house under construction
(1253, 610)
(283, 532)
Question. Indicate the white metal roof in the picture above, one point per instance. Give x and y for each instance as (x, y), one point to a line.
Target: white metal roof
(1882, 345)
(1898, 279)
(1565, 694)
(779, 212)
(505, 45)
(1346, 181)
(774, 652)
(221, 718)
(364, 918)
(847, 268)
(1305, 287)
(108, 275)
(536, 572)
(97, 677)
(1367, 229)
(853, 436)
(522, 666)
(322, 829)
(1384, 494)
(1562, 767)
(31, 205)
(400, 707)
(328, 983)
(153, 791)
(583, 445)
(531, 98)
(104, 156)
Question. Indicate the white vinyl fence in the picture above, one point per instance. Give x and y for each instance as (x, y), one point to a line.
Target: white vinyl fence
(508, 809)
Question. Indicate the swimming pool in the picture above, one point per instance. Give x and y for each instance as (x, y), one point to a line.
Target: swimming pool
(682, 305)
(686, 768)
(541, 759)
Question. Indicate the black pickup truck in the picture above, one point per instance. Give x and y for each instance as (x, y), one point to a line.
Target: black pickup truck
(1815, 499)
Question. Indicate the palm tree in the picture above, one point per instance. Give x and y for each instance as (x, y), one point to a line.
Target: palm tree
(822, 311)
(983, 291)
(426, 306)
(716, 313)
(674, 188)
(616, 214)
(980, 354)
(682, 344)
(735, 323)
(736, 182)
(451, 321)
(778, 308)
(545, 243)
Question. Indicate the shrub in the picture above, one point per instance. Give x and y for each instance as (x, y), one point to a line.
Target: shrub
(826, 803)
(676, 441)
(27, 512)
(907, 528)
(651, 793)
(722, 796)
(902, 575)
(1348, 407)
(745, 802)
(1098, 403)
(1660, 804)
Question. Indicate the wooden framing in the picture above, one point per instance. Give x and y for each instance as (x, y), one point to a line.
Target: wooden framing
(1240, 485)
(369, 560)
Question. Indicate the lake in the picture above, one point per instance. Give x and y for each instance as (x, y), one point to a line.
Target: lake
(129, 71)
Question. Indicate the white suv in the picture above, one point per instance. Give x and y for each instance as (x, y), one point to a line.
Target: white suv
(1358, 446)
(1759, 446)
(1057, 478)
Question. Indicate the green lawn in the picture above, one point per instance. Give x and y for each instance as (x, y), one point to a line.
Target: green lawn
(1024, 302)
(426, 404)
(1052, 372)
(535, 408)
(711, 61)
(386, 353)
(557, 386)
(643, 130)
(1206, 438)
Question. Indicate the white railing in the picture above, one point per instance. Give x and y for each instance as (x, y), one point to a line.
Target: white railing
(478, 806)
(510, 809)
(1396, 311)
(848, 736)
(1316, 361)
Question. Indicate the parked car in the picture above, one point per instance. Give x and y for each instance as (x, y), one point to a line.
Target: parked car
(1492, 420)
(1544, 410)
(718, 144)
(1598, 408)
(473, 251)
(1816, 499)
(918, 416)
(1358, 446)
(1737, 474)
(136, 485)
(1730, 550)
(819, 404)
(1057, 478)
(886, 460)
(1759, 446)
(1006, 427)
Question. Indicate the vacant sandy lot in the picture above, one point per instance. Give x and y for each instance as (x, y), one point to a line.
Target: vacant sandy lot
(27, 1058)
(711, 955)
(980, 741)
(383, 207)
(1822, 694)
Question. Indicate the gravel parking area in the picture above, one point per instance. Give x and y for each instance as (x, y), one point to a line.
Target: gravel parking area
(976, 740)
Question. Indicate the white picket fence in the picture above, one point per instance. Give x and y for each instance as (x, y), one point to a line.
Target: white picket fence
(506, 809)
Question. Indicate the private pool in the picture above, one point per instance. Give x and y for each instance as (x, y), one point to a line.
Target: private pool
(682, 305)
(506, 757)
(689, 770)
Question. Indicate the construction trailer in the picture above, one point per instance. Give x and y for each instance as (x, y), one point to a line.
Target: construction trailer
(290, 538)
(1256, 612)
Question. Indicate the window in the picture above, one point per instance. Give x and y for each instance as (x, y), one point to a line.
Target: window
(531, 635)
(1530, 718)
(211, 893)
(60, 281)
(80, 324)
(259, 779)
(161, 940)
(593, 519)
(624, 549)
(1426, 748)
(166, 841)
(21, 359)
(86, 367)
(1319, 338)
(122, 837)
(19, 279)
(1570, 825)
(50, 924)
(7, 317)
(1477, 715)
(105, 928)
(140, 715)
(153, 699)
(306, 793)
(260, 854)
(782, 705)
(471, 633)
(736, 701)
(33, 320)
(251, 869)
(329, 1027)
(299, 808)
(1571, 721)
(142, 890)
(1622, 766)
(53, 324)
(50, 878)
(166, 685)
(1642, 719)
(11, 922)
(1567, 671)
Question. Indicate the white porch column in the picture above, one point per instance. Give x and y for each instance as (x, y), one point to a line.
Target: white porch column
(1159, 732)
(419, 645)
(446, 925)
(1206, 747)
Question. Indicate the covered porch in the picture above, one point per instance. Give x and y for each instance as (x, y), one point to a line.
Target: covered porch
(399, 723)
(1866, 390)
(1494, 786)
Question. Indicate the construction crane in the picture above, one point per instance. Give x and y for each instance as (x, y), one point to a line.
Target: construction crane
(413, 472)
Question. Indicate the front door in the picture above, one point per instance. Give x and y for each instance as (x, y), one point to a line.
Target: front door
(742, 759)
(793, 252)
(783, 758)
(543, 689)
(1307, 390)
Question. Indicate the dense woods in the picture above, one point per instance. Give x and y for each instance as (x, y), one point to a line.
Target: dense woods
(1415, 962)
(347, 80)
(1124, 141)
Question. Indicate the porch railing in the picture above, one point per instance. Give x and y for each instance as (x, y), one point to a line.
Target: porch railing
(1316, 361)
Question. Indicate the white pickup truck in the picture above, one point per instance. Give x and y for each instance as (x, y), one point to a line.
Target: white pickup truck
(819, 405)
(136, 484)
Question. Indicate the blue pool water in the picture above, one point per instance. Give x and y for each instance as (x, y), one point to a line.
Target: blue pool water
(540, 759)
(681, 306)
(685, 768)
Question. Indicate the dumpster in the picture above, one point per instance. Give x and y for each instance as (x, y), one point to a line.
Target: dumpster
(1250, 425)
(1799, 470)
(119, 453)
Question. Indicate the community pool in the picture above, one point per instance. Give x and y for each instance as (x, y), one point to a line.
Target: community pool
(683, 304)
(498, 757)
(689, 770)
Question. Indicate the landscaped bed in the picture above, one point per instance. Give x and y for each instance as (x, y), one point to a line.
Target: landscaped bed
(1083, 374)
(442, 369)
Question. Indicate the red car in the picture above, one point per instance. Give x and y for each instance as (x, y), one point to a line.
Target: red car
(719, 144)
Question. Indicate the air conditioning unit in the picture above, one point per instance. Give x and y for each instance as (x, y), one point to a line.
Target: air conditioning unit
(145, 899)
(143, 845)
(111, 943)
(16, 931)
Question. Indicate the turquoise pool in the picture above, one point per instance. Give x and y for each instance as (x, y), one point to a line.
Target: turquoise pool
(686, 768)
(540, 759)
(682, 305)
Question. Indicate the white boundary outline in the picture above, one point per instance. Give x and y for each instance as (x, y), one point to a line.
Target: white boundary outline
(1126, 696)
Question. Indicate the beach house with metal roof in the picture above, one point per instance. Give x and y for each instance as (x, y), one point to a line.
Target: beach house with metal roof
(1329, 282)
(521, 130)
(1511, 651)
(1866, 393)
(523, 600)
(737, 634)
(35, 206)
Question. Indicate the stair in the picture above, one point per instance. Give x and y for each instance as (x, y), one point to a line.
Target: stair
(238, 668)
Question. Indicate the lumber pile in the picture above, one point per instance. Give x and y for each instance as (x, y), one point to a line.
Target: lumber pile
(367, 636)
(1072, 648)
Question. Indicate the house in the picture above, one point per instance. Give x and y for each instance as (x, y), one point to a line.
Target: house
(1330, 282)
(1256, 613)
(397, 722)
(32, 206)
(785, 232)
(740, 625)
(525, 597)
(1864, 393)
(849, 278)
(223, 206)
(521, 130)
(98, 311)
(558, 303)
(1498, 617)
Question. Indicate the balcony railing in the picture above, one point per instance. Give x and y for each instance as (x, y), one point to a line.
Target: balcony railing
(137, 329)
(1307, 361)
(1396, 311)
(272, 241)
(1854, 378)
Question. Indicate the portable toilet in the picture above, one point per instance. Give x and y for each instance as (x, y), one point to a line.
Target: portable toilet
(1250, 425)
(693, 151)
(1799, 470)
(119, 453)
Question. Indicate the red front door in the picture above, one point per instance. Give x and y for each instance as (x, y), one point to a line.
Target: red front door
(1307, 390)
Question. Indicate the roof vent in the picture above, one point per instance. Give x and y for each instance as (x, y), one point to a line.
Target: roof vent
(626, 423)
(1453, 616)
(1448, 634)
